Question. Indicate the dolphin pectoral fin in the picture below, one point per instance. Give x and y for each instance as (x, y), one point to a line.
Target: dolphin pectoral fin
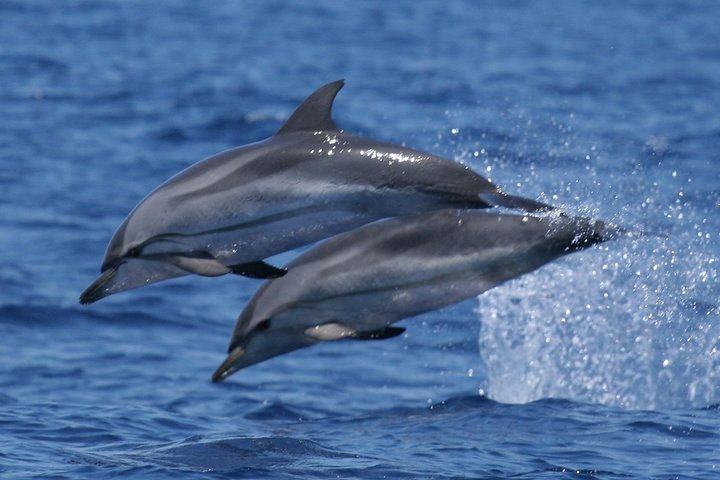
(381, 334)
(314, 114)
(499, 199)
(200, 264)
(337, 331)
(258, 269)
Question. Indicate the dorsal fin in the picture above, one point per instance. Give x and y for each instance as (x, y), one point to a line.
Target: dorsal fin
(315, 113)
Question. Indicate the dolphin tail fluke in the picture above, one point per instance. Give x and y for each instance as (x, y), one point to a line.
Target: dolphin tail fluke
(590, 232)
(499, 199)
(614, 232)
(610, 231)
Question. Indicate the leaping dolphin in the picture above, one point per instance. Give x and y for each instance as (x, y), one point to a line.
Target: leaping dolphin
(357, 284)
(309, 181)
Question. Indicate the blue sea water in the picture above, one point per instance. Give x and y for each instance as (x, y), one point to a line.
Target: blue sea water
(602, 365)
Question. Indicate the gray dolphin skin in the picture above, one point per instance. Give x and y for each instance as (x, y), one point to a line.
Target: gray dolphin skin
(310, 181)
(357, 284)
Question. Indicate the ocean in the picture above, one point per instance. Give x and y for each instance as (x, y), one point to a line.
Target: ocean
(602, 365)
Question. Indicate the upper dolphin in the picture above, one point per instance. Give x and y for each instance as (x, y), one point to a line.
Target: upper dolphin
(307, 182)
(357, 284)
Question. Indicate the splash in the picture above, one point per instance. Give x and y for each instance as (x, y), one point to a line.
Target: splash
(634, 323)
(624, 325)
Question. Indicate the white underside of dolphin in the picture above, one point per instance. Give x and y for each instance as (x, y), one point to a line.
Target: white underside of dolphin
(310, 181)
(357, 284)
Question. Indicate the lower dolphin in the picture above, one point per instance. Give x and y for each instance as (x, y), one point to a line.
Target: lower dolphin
(357, 284)
(310, 181)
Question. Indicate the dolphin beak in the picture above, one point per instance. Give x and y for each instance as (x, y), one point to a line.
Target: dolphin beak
(99, 288)
(228, 367)
(128, 274)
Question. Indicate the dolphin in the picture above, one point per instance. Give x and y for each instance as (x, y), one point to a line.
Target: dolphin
(309, 181)
(357, 284)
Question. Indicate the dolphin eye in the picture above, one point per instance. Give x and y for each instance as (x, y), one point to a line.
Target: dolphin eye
(134, 252)
(264, 325)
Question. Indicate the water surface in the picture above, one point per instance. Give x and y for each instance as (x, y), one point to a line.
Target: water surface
(602, 365)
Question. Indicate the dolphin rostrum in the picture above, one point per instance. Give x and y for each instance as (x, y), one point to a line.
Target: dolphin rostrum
(357, 284)
(309, 181)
